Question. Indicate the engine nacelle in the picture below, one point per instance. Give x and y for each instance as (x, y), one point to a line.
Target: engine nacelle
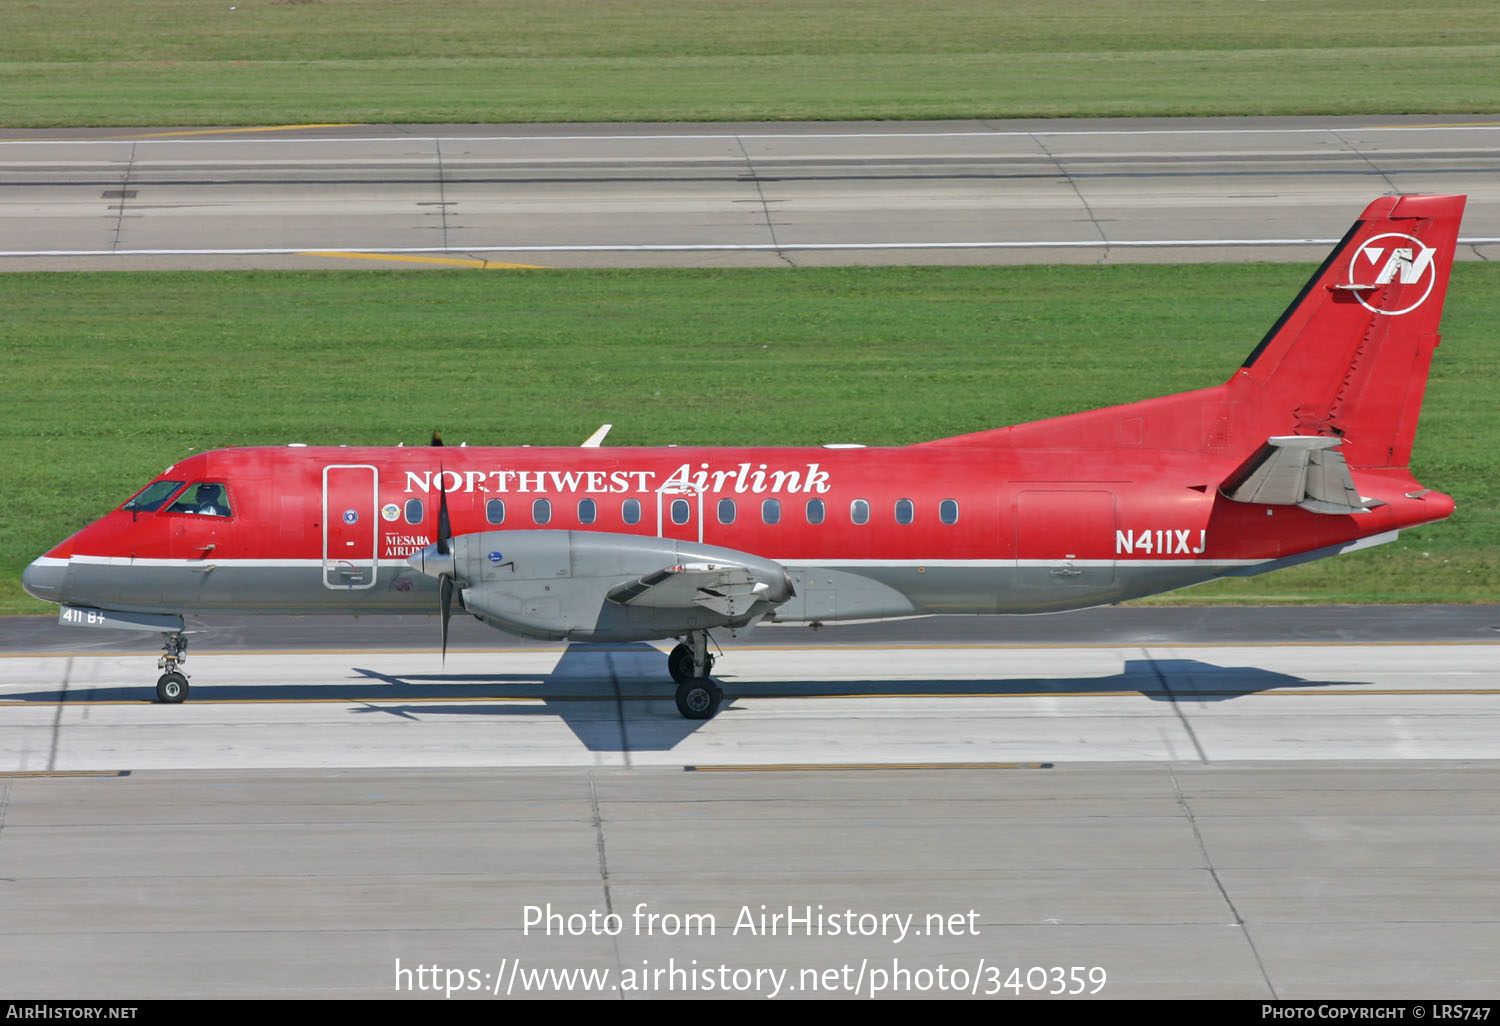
(559, 585)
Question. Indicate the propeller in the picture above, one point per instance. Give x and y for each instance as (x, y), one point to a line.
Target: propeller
(445, 529)
(445, 602)
(444, 548)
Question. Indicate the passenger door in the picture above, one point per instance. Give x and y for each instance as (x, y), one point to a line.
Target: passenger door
(351, 526)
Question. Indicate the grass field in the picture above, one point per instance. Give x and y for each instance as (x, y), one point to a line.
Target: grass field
(235, 62)
(110, 377)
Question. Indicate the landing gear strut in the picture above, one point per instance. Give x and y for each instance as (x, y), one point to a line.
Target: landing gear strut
(172, 686)
(690, 663)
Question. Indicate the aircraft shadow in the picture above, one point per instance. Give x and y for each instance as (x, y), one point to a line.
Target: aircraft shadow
(618, 697)
(595, 689)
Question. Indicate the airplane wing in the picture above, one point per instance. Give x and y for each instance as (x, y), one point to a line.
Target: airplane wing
(727, 590)
(603, 586)
(1306, 471)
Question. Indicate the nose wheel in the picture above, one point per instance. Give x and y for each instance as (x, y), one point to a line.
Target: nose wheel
(172, 686)
(690, 663)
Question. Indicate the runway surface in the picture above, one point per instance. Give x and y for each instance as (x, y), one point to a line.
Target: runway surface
(722, 194)
(1114, 684)
(1196, 813)
(611, 706)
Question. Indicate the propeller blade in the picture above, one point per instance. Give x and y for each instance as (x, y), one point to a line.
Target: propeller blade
(445, 605)
(444, 526)
(445, 529)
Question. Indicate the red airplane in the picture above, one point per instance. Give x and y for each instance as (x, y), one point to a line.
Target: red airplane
(1303, 453)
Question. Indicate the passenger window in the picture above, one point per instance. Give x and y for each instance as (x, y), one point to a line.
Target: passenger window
(207, 498)
(494, 511)
(587, 511)
(630, 511)
(413, 511)
(815, 511)
(905, 510)
(770, 511)
(859, 511)
(541, 511)
(948, 511)
(150, 498)
(726, 511)
(681, 510)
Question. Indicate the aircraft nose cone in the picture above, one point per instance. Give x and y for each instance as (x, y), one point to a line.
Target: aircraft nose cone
(43, 579)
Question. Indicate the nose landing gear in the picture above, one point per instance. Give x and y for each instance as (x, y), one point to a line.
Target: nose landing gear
(172, 686)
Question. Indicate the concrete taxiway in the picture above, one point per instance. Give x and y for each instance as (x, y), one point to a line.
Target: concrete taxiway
(728, 194)
(1190, 814)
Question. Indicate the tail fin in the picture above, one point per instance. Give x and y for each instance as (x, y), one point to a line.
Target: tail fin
(1350, 356)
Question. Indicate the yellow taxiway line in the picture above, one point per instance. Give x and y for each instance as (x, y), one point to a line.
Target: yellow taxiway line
(238, 131)
(12, 774)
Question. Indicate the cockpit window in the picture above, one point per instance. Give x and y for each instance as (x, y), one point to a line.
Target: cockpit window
(207, 498)
(150, 498)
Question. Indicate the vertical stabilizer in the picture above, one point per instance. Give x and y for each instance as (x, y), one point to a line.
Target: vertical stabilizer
(1350, 356)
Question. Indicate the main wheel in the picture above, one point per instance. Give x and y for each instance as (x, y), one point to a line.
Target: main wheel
(699, 699)
(171, 688)
(680, 664)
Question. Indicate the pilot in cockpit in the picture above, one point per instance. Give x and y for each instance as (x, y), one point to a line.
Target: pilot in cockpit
(210, 500)
(207, 499)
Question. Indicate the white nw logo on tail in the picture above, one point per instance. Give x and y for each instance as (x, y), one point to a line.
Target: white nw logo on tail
(1399, 259)
(1401, 262)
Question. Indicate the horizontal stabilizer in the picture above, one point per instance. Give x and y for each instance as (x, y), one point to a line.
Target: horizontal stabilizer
(1297, 470)
(727, 590)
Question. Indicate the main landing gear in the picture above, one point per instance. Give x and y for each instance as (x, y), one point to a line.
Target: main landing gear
(172, 686)
(690, 663)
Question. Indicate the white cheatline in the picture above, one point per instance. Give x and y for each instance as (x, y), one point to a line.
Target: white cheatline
(770, 247)
(801, 563)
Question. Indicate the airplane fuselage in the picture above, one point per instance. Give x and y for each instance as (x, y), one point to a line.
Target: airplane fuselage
(862, 532)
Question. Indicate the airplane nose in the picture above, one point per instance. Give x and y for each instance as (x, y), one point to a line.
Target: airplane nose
(43, 579)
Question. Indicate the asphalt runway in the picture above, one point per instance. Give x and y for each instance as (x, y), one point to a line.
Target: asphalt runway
(1195, 813)
(727, 194)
